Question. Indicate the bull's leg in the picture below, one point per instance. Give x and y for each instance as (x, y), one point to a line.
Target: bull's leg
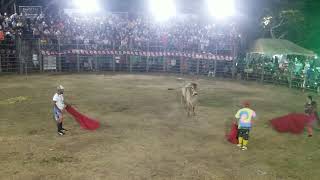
(183, 102)
(189, 109)
(182, 99)
(193, 110)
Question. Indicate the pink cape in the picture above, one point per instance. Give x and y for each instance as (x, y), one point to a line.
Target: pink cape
(293, 123)
(233, 134)
(84, 121)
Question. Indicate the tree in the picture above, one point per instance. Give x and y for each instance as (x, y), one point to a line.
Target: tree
(311, 37)
(284, 23)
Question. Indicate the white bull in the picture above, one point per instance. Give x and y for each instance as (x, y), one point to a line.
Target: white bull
(189, 97)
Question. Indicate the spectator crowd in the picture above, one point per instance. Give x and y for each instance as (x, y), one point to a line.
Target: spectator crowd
(118, 31)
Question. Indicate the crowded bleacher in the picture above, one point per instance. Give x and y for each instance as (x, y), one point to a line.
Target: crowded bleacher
(122, 32)
(67, 32)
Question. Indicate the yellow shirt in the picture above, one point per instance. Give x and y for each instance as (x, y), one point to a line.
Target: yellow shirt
(245, 115)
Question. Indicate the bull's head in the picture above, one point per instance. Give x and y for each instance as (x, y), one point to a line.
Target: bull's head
(193, 89)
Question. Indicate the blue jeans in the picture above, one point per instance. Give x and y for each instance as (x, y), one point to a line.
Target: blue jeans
(57, 114)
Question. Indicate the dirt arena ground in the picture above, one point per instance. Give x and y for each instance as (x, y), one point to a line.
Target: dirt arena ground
(145, 132)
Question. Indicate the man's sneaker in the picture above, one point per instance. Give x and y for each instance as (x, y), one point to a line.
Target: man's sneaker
(239, 145)
(60, 133)
(63, 129)
(244, 148)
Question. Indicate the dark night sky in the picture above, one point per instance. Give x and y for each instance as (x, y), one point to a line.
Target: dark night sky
(247, 7)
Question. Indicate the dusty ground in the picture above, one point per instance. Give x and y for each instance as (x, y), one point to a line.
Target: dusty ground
(145, 133)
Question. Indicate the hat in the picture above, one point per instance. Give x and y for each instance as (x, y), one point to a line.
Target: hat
(60, 87)
(246, 103)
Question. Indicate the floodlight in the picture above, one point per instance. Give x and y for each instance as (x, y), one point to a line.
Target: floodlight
(86, 6)
(162, 10)
(221, 8)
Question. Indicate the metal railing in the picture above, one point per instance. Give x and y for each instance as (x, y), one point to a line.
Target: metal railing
(26, 56)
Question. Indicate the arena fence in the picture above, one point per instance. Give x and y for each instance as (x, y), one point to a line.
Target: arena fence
(25, 56)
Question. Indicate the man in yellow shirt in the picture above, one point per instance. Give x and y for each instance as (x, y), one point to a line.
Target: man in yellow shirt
(244, 117)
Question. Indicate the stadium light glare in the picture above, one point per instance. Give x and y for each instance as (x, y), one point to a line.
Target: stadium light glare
(221, 8)
(162, 10)
(86, 6)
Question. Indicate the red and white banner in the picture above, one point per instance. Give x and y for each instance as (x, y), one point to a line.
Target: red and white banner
(204, 56)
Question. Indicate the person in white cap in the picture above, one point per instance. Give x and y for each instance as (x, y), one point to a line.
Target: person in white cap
(58, 109)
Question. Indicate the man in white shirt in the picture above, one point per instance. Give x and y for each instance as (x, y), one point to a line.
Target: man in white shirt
(58, 108)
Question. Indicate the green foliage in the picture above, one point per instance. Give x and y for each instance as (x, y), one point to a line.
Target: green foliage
(295, 20)
(283, 23)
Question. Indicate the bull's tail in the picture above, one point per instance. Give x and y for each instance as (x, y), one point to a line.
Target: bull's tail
(170, 89)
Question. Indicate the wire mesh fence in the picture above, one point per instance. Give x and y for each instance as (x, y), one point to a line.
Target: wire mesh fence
(8, 57)
(25, 56)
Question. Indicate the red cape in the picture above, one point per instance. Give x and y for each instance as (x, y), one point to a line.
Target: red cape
(84, 121)
(293, 123)
(233, 134)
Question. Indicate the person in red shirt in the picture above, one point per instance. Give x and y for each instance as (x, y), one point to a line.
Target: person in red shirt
(310, 109)
(1, 35)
